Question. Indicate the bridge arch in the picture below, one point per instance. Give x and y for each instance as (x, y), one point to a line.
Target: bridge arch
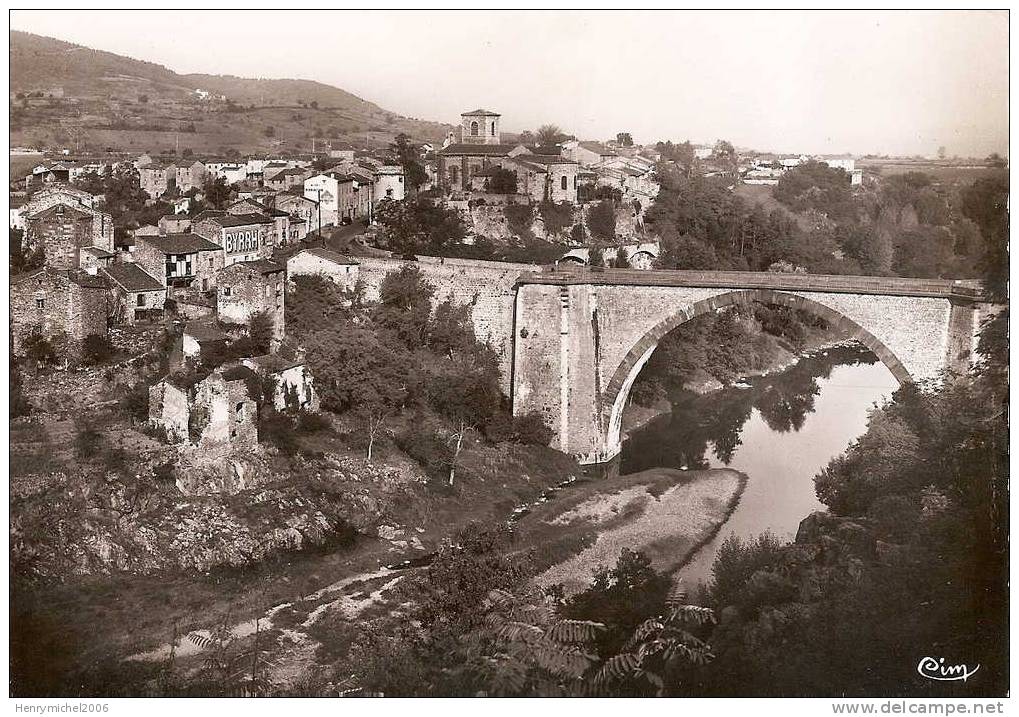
(618, 388)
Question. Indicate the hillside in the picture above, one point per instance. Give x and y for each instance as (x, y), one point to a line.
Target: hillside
(68, 95)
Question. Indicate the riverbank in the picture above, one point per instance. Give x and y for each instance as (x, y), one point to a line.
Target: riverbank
(668, 514)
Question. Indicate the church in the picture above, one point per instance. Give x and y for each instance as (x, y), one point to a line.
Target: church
(480, 149)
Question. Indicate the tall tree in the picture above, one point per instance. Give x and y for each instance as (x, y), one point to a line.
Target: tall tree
(548, 134)
(408, 156)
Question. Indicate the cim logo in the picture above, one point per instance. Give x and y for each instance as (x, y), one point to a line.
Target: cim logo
(935, 669)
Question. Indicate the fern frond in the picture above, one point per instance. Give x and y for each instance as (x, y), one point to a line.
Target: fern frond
(575, 632)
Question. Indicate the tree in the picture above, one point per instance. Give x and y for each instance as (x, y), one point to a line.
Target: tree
(408, 156)
(501, 181)
(405, 305)
(261, 331)
(622, 260)
(314, 104)
(601, 220)
(96, 349)
(468, 398)
(419, 225)
(548, 135)
(624, 139)
(217, 192)
(595, 257)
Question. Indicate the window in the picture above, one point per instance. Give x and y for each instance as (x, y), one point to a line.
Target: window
(141, 299)
(493, 129)
(227, 291)
(564, 182)
(40, 303)
(268, 290)
(474, 129)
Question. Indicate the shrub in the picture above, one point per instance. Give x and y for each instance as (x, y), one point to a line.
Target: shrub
(95, 350)
(136, 402)
(40, 349)
(312, 423)
(278, 430)
(423, 443)
(556, 217)
(530, 428)
(601, 220)
(519, 218)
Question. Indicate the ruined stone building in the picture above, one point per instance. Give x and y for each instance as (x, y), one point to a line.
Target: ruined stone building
(55, 301)
(215, 414)
(250, 287)
(157, 179)
(294, 387)
(190, 176)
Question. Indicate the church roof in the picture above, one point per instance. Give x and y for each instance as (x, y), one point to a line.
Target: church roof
(499, 150)
(480, 113)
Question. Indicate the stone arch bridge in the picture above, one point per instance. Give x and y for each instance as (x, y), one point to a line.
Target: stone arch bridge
(573, 341)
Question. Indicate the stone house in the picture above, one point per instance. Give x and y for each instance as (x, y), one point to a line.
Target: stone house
(300, 206)
(216, 414)
(587, 153)
(175, 224)
(180, 260)
(135, 294)
(285, 179)
(243, 237)
(279, 233)
(389, 183)
(190, 176)
(91, 258)
(63, 230)
(339, 269)
(249, 287)
(294, 386)
(157, 179)
(457, 163)
(545, 177)
(58, 301)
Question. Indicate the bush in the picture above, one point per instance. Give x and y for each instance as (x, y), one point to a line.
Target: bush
(423, 443)
(519, 218)
(556, 217)
(312, 423)
(601, 220)
(278, 430)
(530, 428)
(136, 402)
(96, 350)
(40, 349)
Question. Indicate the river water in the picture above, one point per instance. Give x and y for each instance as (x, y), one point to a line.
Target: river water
(780, 430)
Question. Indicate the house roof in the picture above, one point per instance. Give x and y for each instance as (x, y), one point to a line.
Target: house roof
(544, 159)
(501, 150)
(240, 220)
(237, 373)
(78, 276)
(80, 211)
(329, 255)
(132, 277)
(598, 148)
(185, 243)
(262, 266)
(146, 230)
(480, 113)
(99, 252)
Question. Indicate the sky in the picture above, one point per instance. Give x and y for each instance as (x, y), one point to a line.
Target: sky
(869, 82)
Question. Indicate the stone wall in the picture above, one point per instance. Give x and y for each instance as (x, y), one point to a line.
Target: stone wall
(54, 302)
(487, 286)
(61, 231)
(244, 290)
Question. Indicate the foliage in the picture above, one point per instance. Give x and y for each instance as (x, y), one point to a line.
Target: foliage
(501, 181)
(96, 349)
(556, 217)
(217, 192)
(622, 260)
(19, 405)
(21, 258)
(601, 220)
(519, 218)
(596, 257)
(39, 349)
(408, 157)
(261, 332)
(419, 225)
(547, 135)
(405, 305)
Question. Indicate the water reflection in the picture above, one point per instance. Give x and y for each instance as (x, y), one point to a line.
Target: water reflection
(716, 420)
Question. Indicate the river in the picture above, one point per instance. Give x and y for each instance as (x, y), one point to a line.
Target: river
(780, 430)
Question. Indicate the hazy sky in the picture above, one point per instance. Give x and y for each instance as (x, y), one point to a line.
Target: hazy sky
(860, 82)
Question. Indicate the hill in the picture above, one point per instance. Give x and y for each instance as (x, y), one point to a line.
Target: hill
(68, 95)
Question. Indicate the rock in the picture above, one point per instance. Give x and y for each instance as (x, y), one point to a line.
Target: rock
(389, 532)
(814, 526)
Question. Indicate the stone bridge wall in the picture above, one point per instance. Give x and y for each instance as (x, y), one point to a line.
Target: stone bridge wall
(487, 286)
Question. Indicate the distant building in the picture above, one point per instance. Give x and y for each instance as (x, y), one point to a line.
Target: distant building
(341, 197)
(587, 153)
(304, 213)
(157, 179)
(243, 237)
(62, 228)
(190, 176)
(389, 183)
(294, 387)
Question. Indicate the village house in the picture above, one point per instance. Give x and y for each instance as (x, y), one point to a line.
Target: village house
(299, 206)
(63, 228)
(294, 386)
(544, 177)
(92, 258)
(389, 183)
(54, 301)
(317, 261)
(190, 176)
(287, 178)
(180, 260)
(341, 197)
(246, 288)
(243, 237)
(157, 179)
(135, 294)
(276, 235)
(587, 153)
(175, 224)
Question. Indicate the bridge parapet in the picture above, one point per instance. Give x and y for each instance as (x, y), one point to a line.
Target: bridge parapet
(958, 289)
